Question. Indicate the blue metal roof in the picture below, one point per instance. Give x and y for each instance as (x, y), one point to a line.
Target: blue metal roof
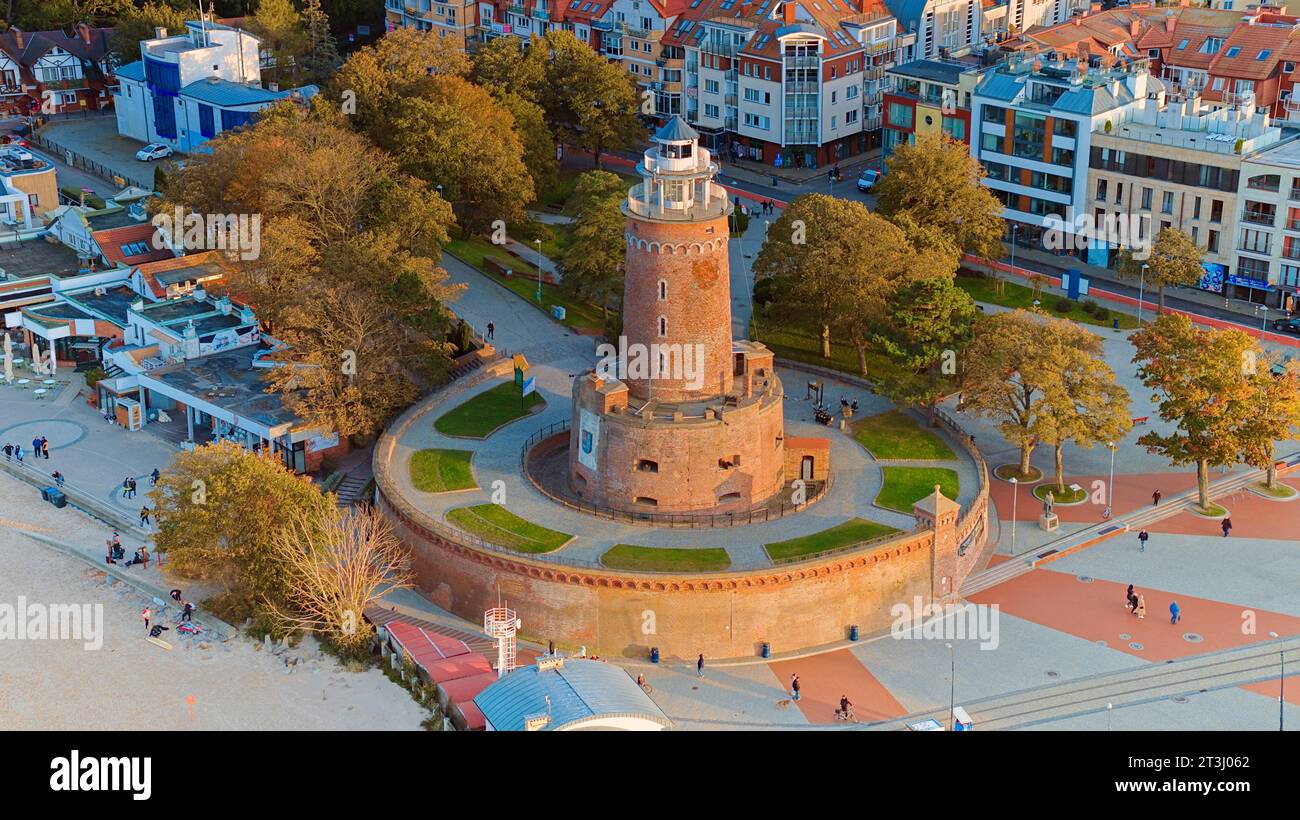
(999, 86)
(227, 94)
(907, 12)
(579, 690)
(131, 71)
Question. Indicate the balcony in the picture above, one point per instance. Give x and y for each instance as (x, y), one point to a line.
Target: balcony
(1257, 218)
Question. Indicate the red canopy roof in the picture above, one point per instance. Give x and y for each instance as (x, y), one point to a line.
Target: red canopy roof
(425, 646)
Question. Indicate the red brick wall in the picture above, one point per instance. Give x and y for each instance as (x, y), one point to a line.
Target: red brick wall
(692, 258)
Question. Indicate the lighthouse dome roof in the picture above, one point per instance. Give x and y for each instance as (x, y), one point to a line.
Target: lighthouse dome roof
(676, 130)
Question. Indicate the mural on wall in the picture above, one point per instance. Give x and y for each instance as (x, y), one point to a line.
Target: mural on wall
(588, 438)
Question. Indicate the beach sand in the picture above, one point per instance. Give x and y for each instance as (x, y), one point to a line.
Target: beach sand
(131, 684)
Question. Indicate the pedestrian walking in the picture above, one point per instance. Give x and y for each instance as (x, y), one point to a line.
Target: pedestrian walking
(1226, 525)
(154, 476)
(18, 453)
(492, 330)
(146, 614)
(1155, 498)
(176, 596)
(1141, 609)
(45, 447)
(1128, 597)
(58, 478)
(794, 687)
(187, 612)
(126, 487)
(144, 516)
(134, 485)
(699, 666)
(1142, 540)
(36, 447)
(9, 452)
(1175, 614)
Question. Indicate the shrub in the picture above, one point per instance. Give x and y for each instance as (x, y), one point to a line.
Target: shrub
(739, 222)
(1089, 306)
(94, 376)
(1102, 313)
(1063, 305)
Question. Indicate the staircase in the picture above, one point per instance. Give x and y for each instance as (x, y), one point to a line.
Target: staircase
(349, 490)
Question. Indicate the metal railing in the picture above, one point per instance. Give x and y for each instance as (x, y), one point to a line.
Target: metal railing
(756, 515)
(76, 160)
(83, 499)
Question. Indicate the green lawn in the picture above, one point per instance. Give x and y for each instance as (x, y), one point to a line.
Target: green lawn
(665, 559)
(578, 315)
(850, 532)
(440, 471)
(895, 434)
(904, 486)
(799, 344)
(1021, 296)
(497, 525)
(479, 416)
(1063, 495)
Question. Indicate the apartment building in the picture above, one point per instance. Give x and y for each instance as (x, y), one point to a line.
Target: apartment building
(1034, 135)
(1268, 247)
(930, 97)
(189, 87)
(1180, 167)
(457, 19)
(940, 28)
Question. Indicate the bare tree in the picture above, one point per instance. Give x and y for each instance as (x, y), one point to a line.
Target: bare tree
(335, 563)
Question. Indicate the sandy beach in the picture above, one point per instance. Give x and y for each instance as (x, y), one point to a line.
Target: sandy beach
(129, 683)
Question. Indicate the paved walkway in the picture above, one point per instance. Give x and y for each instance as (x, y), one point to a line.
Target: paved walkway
(96, 139)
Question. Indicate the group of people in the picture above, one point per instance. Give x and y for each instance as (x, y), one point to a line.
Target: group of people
(40, 449)
(1136, 603)
(767, 206)
(187, 612)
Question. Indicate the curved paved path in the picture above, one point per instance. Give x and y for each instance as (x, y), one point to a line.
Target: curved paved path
(558, 355)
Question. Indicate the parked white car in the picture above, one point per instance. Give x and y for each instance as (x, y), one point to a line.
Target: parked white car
(152, 151)
(868, 179)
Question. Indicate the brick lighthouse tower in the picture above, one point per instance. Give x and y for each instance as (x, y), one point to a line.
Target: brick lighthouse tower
(677, 417)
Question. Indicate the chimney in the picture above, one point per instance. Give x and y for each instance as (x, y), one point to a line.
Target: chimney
(1134, 27)
(1170, 22)
(159, 32)
(19, 39)
(1078, 21)
(787, 10)
(84, 31)
(1095, 8)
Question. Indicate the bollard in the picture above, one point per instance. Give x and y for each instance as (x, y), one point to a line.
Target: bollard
(654, 654)
(853, 632)
(767, 649)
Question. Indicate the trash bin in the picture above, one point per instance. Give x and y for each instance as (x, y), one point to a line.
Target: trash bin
(853, 632)
(47, 492)
(767, 649)
(58, 499)
(558, 312)
(1114, 323)
(654, 654)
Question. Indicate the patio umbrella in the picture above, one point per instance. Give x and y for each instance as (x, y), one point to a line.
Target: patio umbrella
(36, 358)
(9, 359)
(54, 364)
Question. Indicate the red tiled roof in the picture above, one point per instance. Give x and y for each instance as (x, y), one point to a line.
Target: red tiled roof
(115, 243)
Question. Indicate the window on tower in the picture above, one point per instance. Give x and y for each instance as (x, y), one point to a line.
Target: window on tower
(663, 326)
(663, 290)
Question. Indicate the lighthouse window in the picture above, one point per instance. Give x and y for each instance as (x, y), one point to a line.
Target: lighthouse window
(645, 465)
(663, 326)
(663, 291)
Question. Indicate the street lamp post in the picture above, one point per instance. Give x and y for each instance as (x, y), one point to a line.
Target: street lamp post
(1263, 325)
(1110, 707)
(1142, 282)
(1015, 498)
(1110, 484)
(538, 242)
(952, 685)
(1013, 245)
(1281, 687)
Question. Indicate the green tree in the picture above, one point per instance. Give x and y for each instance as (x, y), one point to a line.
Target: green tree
(539, 149)
(932, 189)
(459, 138)
(1174, 259)
(320, 57)
(280, 28)
(592, 266)
(1202, 381)
(1084, 404)
(926, 325)
(219, 508)
(590, 102)
(502, 65)
(136, 24)
(1275, 413)
(402, 65)
(835, 265)
(1013, 370)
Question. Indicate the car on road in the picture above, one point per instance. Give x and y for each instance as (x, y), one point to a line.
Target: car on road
(1288, 326)
(152, 151)
(867, 179)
